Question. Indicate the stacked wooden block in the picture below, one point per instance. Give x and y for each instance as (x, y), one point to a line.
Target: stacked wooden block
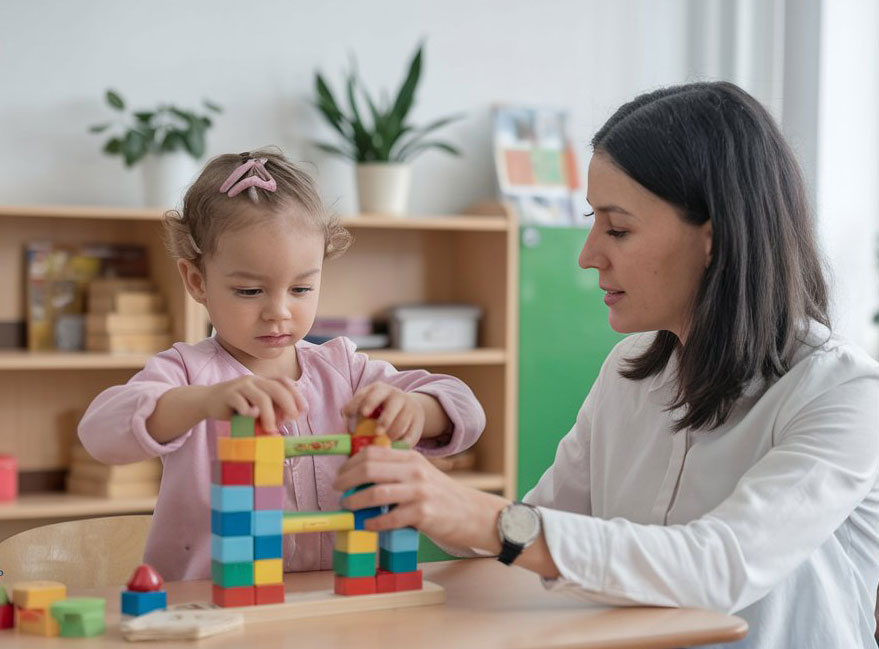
(247, 502)
(144, 592)
(92, 478)
(43, 608)
(126, 315)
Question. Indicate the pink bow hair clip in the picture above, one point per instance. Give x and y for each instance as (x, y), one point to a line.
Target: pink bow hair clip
(260, 178)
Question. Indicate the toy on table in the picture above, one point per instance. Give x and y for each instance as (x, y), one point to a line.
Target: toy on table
(8, 478)
(32, 600)
(248, 520)
(80, 617)
(7, 615)
(180, 625)
(144, 593)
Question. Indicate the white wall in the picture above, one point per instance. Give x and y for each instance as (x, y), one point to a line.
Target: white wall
(258, 58)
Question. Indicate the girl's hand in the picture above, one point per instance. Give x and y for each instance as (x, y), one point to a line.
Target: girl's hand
(426, 498)
(402, 415)
(272, 400)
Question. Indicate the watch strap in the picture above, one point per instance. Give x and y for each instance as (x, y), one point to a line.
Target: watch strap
(509, 552)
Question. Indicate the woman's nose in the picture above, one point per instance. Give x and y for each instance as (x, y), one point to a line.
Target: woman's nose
(590, 256)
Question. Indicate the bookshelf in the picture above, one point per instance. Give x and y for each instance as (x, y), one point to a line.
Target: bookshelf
(469, 258)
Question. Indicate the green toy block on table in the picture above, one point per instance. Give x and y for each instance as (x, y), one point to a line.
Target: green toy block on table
(80, 617)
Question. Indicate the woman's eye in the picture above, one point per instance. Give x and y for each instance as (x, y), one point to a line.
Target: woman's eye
(247, 292)
(616, 234)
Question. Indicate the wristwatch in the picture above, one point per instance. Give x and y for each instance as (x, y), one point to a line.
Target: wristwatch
(518, 526)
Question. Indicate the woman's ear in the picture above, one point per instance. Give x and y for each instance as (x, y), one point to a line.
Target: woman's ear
(193, 280)
(708, 233)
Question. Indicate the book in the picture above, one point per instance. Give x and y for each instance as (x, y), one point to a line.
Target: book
(124, 323)
(130, 302)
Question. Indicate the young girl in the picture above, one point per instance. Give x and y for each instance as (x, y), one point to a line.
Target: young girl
(250, 245)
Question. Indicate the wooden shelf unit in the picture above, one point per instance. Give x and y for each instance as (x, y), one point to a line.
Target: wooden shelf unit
(464, 258)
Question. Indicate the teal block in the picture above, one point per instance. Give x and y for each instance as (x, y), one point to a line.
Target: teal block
(398, 561)
(231, 549)
(404, 539)
(231, 499)
(268, 547)
(232, 575)
(242, 426)
(354, 564)
(267, 522)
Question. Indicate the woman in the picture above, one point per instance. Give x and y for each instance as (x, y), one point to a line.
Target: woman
(727, 459)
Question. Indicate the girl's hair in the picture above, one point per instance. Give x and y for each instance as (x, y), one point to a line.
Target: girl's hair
(192, 234)
(715, 153)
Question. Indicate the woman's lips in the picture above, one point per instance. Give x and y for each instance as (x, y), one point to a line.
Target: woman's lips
(612, 297)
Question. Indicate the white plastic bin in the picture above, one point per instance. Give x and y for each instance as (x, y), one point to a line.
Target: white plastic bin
(434, 327)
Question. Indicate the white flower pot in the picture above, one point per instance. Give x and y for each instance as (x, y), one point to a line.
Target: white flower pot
(166, 178)
(383, 187)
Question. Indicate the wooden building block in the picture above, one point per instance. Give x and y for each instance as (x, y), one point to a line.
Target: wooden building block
(7, 616)
(37, 594)
(269, 594)
(80, 617)
(138, 603)
(404, 539)
(307, 522)
(357, 541)
(354, 585)
(267, 522)
(226, 597)
(124, 323)
(242, 426)
(397, 561)
(269, 498)
(269, 448)
(231, 499)
(268, 547)
(268, 474)
(128, 302)
(232, 473)
(354, 565)
(236, 449)
(232, 575)
(365, 427)
(231, 549)
(268, 571)
(360, 442)
(231, 523)
(36, 621)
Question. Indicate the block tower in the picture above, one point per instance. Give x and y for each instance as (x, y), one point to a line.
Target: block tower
(248, 520)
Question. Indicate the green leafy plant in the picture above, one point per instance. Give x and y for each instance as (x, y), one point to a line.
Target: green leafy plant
(163, 130)
(389, 138)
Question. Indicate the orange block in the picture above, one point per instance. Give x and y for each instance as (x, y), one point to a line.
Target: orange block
(36, 621)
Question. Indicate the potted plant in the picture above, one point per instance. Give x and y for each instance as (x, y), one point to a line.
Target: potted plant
(383, 146)
(168, 141)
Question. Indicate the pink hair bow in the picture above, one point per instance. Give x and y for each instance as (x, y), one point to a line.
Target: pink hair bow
(261, 178)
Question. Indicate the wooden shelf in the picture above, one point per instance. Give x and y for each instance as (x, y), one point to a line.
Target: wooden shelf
(26, 360)
(61, 504)
(83, 212)
(420, 359)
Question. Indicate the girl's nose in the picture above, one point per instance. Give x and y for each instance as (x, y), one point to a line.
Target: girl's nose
(277, 309)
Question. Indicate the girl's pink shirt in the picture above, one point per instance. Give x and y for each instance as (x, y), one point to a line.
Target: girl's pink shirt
(114, 431)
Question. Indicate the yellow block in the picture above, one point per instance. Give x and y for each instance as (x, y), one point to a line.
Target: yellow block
(38, 594)
(269, 448)
(268, 571)
(36, 621)
(357, 541)
(268, 474)
(365, 427)
(236, 449)
(318, 522)
(382, 440)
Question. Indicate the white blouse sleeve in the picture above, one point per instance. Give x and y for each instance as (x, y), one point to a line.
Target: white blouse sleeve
(823, 462)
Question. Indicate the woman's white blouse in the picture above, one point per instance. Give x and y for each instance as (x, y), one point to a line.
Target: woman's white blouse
(773, 516)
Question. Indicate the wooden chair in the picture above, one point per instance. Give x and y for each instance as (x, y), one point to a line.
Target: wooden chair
(88, 553)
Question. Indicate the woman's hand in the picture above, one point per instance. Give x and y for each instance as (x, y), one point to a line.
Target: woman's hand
(426, 498)
(402, 414)
(272, 400)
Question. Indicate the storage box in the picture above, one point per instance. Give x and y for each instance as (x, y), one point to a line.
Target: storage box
(434, 327)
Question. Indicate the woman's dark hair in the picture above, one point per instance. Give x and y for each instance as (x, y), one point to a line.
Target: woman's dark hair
(715, 153)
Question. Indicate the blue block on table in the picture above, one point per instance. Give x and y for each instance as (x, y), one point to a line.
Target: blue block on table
(231, 499)
(230, 523)
(268, 547)
(231, 549)
(138, 603)
(267, 522)
(404, 539)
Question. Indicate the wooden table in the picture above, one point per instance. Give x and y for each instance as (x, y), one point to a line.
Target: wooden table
(488, 605)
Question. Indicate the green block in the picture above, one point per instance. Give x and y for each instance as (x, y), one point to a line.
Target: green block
(242, 426)
(231, 575)
(317, 445)
(398, 561)
(4, 598)
(80, 617)
(358, 564)
(404, 446)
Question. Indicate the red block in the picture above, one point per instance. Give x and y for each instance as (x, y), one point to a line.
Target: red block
(8, 477)
(392, 582)
(269, 594)
(385, 581)
(359, 441)
(233, 473)
(7, 617)
(238, 596)
(355, 585)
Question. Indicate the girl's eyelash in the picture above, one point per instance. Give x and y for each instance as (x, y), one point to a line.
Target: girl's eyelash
(249, 292)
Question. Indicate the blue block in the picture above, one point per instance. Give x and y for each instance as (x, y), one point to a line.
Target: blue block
(356, 489)
(361, 515)
(267, 522)
(397, 561)
(231, 549)
(268, 547)
(404, 539)
(230, 523)
(137, 603)
(231, 499)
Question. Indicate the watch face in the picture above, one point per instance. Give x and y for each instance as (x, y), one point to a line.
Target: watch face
(520, 524)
